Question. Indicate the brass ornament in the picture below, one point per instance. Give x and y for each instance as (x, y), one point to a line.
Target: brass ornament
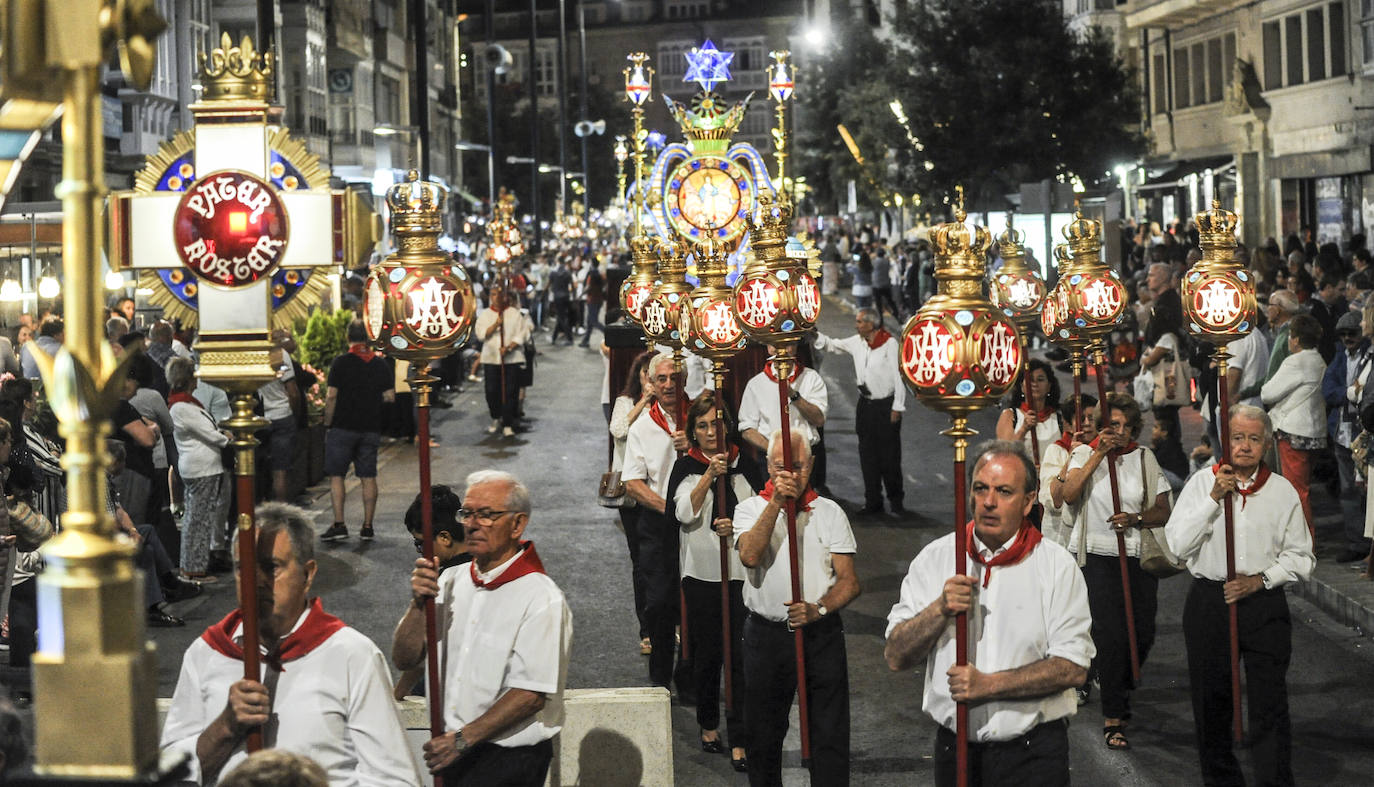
(236, 73)
(714, 333)
(639, 285)
(662, 313)
(1017, 289)
(776, 299)
(1092, 298)
(1218, 292)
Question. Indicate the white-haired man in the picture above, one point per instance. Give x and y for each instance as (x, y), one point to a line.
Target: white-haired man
(325, 690)
(1273, 548)
(506, 631)
(828, 583)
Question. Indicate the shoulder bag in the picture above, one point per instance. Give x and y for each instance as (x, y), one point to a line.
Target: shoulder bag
(1171, 381)
(1156, 557)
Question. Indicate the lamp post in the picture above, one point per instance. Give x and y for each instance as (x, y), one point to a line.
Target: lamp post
(419, 307)
(960, 354)
(1219, 306)
(491, 165)
(621, 153)
(776, 302)
(638, 88)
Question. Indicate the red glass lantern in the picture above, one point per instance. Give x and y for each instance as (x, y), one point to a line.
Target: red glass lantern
(1017, 289)
(713, 333)
(662, 313)
(1218, 292)
(776, 299)
(1092, 297)
(639, 285)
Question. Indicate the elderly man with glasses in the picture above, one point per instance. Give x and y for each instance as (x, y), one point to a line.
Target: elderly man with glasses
(506, 630)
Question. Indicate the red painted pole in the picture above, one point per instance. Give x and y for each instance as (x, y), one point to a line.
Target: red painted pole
(1100, 366)
(960, 432)
(1030, 405)
(423, 384)
(1229, 512)
(783, 365)
(680, 388)
(727, 648)
(248, 580)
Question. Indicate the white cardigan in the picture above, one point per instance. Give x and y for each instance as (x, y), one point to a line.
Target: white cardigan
(199, 441)
(1294, 395)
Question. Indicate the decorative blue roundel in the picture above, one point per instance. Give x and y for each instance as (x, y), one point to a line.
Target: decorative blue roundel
(784, 275)
(964, 317)
(696, 164)
(788, 325)
(965, 387)
(1242, 275)
(724, 164)
(1076, 278)
(1194, 276)
(1243, 327)
(397, 274)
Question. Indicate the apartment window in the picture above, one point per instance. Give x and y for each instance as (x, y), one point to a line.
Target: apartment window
(1292, 39)
(750, 54)
(1199, 74)
(672, 60)
(545, 72)
(1214, 70)
(1273, 56)
(1308, 46)
(1161, 84)
(1336, 27)
(388, 100)
(1367, 33)
(1181, 82)
(1316, 50)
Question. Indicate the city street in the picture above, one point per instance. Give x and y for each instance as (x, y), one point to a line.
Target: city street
(561, 458)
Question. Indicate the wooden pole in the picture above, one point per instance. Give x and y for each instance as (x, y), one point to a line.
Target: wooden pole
(727, 650)
(782, 364)
(680, 414)
(1100, 366)
(960, 432)
(1035, 438)
(1229, 512)
(244, 425)
(423, 384)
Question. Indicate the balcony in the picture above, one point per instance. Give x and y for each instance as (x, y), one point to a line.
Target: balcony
(1174, 14)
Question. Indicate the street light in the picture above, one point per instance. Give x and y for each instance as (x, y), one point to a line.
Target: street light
(491, 165)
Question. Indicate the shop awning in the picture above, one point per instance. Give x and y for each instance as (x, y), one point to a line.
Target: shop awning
(1178, 170)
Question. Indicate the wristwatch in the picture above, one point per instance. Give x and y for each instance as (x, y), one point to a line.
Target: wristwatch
(459, 744)
(1264, 578)
(794, 396)
(821, 610)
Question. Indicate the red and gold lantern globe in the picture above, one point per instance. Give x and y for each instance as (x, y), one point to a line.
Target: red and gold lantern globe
(639, 285)
(1092, 298)
(663, 311)
(1017, 289)
(1218, 292)
(776, 298)
(418, 303)
(714, 332)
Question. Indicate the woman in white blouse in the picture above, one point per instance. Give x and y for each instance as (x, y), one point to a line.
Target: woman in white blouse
(704, 526)
(1040, 414)
(633, 400)
(1294, 399)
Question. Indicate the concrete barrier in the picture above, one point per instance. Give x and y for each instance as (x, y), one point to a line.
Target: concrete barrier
(610, 738)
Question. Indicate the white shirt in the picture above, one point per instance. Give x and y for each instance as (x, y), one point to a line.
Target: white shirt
(649, 453)
(1294, 395)
(1249, 359)
(699, 546)
(1095, 506)
(275, 405)
(821, 532)
(1271, 533)
(516, 333)
(1058, 522)
(514, 637)
(1033, 610)
(878, 369)
(199, 441)
(760, 410)
(333, 705)
(1046, 432)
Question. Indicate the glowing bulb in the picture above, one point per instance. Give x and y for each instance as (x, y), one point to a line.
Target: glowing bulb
(114, 280)
(11, 291)
(48, 287)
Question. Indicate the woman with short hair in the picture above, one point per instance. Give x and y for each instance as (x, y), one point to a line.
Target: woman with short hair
(200, 462)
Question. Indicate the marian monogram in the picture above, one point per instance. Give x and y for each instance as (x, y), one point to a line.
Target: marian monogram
(926, 354)
(430, 311)
(758, 303)
(1001, 354)
(1217, 303)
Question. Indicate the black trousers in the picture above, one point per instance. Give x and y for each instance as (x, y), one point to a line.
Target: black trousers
(658, 562)
(23, 622)
(499, 406)
(1040, 758)
(880, 451)
(883, 295)
(1265, 647)
(1102, 574)
(770, 679)
(489, 765)
(708, 656)
(562, 315)
(629, 520)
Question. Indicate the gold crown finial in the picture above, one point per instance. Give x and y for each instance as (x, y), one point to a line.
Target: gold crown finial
(236, 73)
(1011, 243)
(1084, 236)
(1217, 229)
(417, 207)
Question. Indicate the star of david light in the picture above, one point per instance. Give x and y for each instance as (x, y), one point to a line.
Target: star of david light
(757, 303)
(708, 66)
(431, 312)
(927, 354)
(1217, 303)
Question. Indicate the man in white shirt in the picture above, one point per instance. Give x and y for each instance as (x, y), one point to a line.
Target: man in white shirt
(277, 397)
(760, 412)
(503, 330)
(1273, 548)
(878, 415)
(506, 632)
(651, 448)
(325, 688)
(828, 583)
(1028, 631)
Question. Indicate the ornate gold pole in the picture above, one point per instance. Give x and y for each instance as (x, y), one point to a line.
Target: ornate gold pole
(638, 88)
(621, 153)
(780, 85)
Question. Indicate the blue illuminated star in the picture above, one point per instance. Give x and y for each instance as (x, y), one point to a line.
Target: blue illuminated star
(707, 65)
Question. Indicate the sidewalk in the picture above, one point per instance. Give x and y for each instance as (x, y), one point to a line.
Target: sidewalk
(1335, 588)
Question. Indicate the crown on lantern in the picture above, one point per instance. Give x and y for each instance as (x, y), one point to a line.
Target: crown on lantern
(672, 260)
(1011, 243)
(960, 245)
(417, 206)
(1062, 257)
(713, 263)
(1217, 228)
(1084, 235)
(768, 226)
(236, 73)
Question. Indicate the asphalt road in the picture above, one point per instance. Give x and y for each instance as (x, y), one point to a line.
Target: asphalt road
(561, 457)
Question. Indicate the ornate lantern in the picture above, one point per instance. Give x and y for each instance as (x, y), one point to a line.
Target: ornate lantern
(419, 304)
(776, 299)
(1017, 289)
(713, 332)
(1092, 296)
(662, 313)
(639, 285)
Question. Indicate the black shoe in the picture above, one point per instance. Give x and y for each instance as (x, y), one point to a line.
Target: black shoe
(366, 533)
(712, 747)
(179, 589)
(899, 510)
(741, 765)
(158, 618)
(220, 562)
(1351, 555)
(336, 532)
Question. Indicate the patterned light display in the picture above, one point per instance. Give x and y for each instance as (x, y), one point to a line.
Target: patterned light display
(1218, 292)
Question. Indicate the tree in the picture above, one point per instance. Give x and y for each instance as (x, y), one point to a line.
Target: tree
(1001, 92)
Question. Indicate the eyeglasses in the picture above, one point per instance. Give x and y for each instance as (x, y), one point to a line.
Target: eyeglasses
(485, 516)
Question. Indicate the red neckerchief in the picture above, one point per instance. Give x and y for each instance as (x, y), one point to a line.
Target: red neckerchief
(1118, 453)
(1043, 415)
(362, 351)
(773, 373)
(697, 454)
(1021, 546)
(1261, 476)
(878, 338)
(317, 627)
(526, 563)
(182, 396)
(807, 497)
(1065, 441)
(660, 418)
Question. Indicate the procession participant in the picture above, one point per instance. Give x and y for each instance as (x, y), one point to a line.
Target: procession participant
(506, 639)
(1275, 550)
(359, 383)
(1054, 466)
(878, 414)
(1039, 414)
(450, 549)
(324, 690)
(635, 398)
(1032, 645)
(828, 584)
(651, 449)
(760, 412)
(501, 363)
(1144, 499)
(702, 526)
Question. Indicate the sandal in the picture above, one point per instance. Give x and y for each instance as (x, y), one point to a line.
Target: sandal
(712, 746)
(1115, 737)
